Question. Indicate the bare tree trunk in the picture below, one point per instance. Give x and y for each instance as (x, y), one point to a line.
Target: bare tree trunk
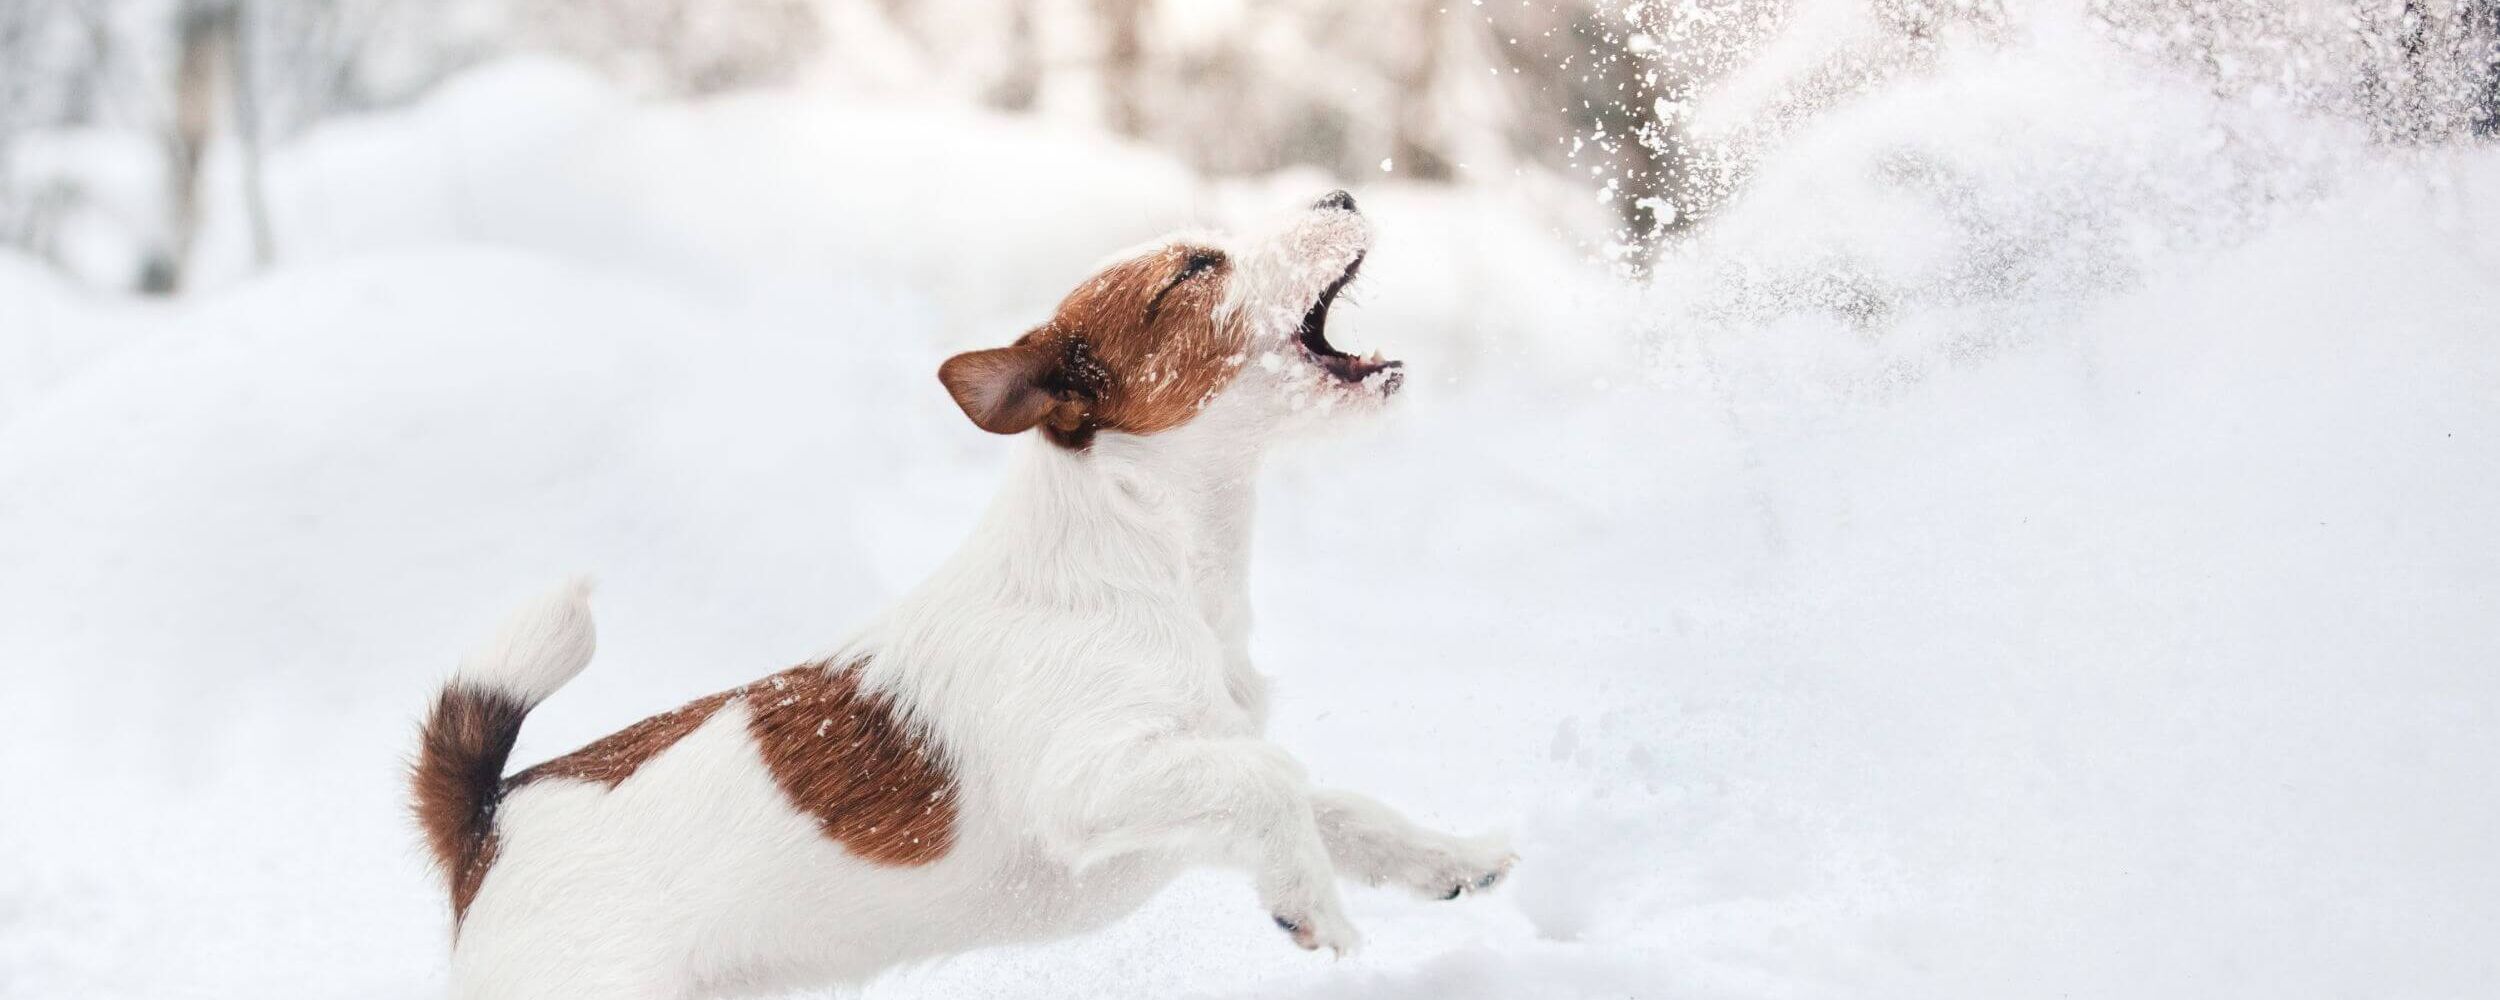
(1123, 64)
(2483, 62)
(205, 34)
(2412, 28)
(247, 133)
(1019, 84)
(1413, 144)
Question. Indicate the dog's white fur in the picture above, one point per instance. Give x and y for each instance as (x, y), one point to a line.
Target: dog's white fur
(544, 644)
(1082, 662)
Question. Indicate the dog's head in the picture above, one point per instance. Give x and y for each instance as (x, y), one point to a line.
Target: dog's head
(1166, 333)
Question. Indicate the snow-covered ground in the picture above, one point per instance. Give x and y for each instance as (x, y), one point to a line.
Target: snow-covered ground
(2041, 542)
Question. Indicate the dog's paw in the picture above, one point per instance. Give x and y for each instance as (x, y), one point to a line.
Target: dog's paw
(1301, 896)
(1321, 927)
(1451, 867)
(1483, 882)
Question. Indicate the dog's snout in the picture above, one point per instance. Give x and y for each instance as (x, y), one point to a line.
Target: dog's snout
(1338, 199)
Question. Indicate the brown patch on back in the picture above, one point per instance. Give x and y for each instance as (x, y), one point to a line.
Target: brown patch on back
(842, 756)
(1136, 348)
(611, 759)
(457, 780)
(845, 758)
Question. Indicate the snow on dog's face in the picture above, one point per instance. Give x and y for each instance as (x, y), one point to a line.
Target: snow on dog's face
(1157, 336)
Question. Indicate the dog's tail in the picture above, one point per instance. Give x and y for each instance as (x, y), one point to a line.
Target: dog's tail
(458, 774)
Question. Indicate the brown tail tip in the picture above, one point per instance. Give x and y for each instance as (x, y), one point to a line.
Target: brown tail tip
(458, 778)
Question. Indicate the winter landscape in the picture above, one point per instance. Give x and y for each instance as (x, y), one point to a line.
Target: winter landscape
(2036, 535)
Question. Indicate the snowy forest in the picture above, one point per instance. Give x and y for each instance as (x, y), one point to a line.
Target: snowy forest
(128, 123)
(1894, 498)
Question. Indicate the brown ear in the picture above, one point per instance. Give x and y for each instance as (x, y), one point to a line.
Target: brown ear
(1001, 389)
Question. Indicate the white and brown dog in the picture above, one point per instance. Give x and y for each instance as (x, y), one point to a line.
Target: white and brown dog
(1028, 746)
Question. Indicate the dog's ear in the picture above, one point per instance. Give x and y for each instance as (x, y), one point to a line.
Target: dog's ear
(1006, 390)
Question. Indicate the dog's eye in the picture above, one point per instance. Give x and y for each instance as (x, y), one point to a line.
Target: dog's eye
(1198, 262)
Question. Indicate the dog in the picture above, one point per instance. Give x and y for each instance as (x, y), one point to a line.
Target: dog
(1028, 746)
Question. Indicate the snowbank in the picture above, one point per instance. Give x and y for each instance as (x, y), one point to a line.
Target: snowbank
(50, 329)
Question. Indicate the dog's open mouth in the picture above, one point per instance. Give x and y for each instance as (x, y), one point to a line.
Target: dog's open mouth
(1346, 367)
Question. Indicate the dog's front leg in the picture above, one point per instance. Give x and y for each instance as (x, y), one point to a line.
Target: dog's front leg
(1227, 801)
(1372, 842)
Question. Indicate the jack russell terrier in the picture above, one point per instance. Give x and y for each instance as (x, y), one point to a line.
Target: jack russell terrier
(1028, 746)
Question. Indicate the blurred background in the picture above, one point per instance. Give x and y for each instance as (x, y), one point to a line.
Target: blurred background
(134, 126)
(1894, 498)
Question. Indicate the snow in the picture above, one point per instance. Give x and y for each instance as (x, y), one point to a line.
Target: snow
(50, 329)
(2039, 540)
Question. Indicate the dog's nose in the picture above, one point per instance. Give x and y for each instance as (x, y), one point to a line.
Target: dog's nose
(1337, 199)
